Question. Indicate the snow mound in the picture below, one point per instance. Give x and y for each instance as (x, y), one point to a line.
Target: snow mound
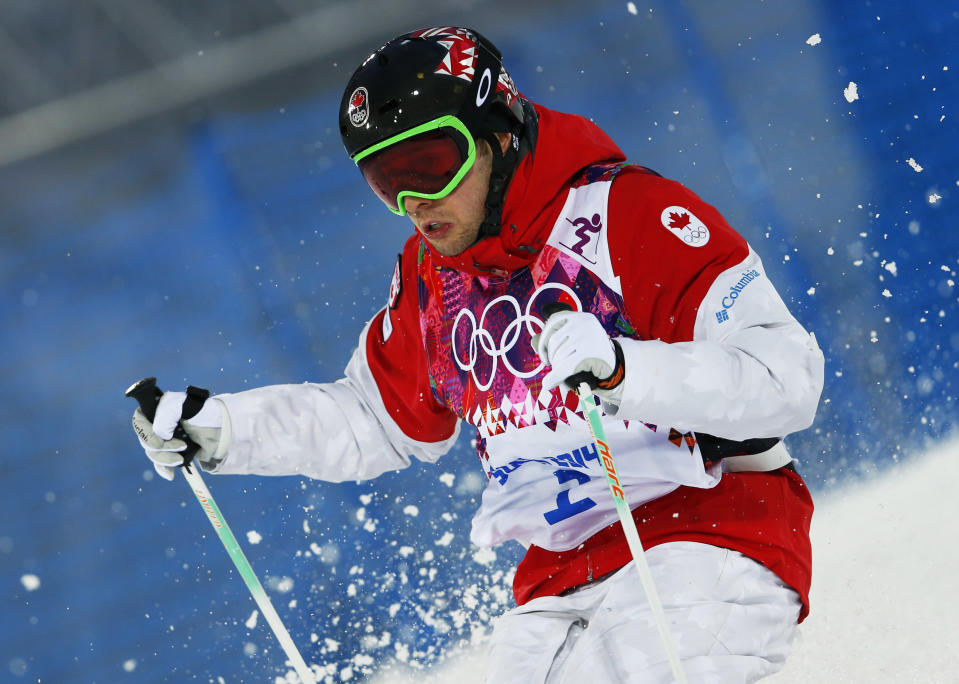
(885, 563)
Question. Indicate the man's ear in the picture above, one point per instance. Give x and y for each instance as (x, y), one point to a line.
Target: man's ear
(504, 140)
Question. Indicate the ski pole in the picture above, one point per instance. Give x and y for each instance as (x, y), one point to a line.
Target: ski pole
(148, 396)
(629, 528)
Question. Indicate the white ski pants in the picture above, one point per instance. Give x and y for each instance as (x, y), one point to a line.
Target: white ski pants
(732, 620)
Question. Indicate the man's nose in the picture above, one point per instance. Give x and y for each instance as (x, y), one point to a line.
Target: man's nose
(415, 204)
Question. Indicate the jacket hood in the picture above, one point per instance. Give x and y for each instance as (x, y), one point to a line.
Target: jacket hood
(565, 144)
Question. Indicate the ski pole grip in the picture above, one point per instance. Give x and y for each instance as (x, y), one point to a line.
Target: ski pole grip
(554, 307)
(147, 394)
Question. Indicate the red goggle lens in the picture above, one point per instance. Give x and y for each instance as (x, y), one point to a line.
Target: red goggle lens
(424, 164)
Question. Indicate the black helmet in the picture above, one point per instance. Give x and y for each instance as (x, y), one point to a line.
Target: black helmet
(420, 76)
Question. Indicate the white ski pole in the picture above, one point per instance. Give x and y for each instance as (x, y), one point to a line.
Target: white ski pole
(629, 528)
(148, 395)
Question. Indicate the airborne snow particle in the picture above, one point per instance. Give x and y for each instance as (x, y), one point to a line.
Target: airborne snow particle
(253, 537)
(914, 164)
(891, 267)
(447, 479)
(362, 659)
(814, 39)
(484, 556)
(934, 197)
(471, 483)
(402, 652)
(445, 539)
(411, 511)
(886, 293)
(129, 665)
(631, 8)
(851, 92)
(281, 585)
(251, 621)
(30, 582)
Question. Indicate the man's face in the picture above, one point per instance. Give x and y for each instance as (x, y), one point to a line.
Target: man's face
(451, 224)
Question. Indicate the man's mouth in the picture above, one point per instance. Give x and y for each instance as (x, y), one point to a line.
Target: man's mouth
(435, 229)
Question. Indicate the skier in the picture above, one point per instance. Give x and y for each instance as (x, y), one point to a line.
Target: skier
(540, 259)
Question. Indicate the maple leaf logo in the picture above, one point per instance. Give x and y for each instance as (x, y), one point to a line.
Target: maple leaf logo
(682, 223)
(678, 221)
(359, 109)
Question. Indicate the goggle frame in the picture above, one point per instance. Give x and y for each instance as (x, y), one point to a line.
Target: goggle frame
(448, 121)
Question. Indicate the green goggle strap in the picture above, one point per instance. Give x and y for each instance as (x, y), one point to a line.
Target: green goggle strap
(442, 122)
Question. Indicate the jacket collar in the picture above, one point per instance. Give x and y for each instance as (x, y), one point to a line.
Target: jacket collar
(565, 145)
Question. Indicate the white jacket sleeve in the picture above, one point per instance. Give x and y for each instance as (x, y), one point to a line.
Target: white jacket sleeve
(331, 431)
(750, 371)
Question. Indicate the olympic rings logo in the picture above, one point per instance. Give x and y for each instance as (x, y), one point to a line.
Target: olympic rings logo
(482, 340)
(694, 234)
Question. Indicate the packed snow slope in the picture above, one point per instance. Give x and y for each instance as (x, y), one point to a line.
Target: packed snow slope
(884, 604)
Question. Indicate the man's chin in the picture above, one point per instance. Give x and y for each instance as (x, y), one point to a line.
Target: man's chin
(447, 250)
(445, 246)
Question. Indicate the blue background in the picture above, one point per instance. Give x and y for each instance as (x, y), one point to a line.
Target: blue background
(234, 245)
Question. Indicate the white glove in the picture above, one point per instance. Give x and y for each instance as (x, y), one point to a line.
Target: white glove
(575, 344)
(206, 428)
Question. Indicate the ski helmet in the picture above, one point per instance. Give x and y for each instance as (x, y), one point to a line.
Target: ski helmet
(413, 110)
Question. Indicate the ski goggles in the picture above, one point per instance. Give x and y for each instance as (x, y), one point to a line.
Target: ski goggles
(427, 161)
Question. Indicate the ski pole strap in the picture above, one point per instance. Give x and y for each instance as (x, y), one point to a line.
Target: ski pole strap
(195, 398)
(619, 372)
